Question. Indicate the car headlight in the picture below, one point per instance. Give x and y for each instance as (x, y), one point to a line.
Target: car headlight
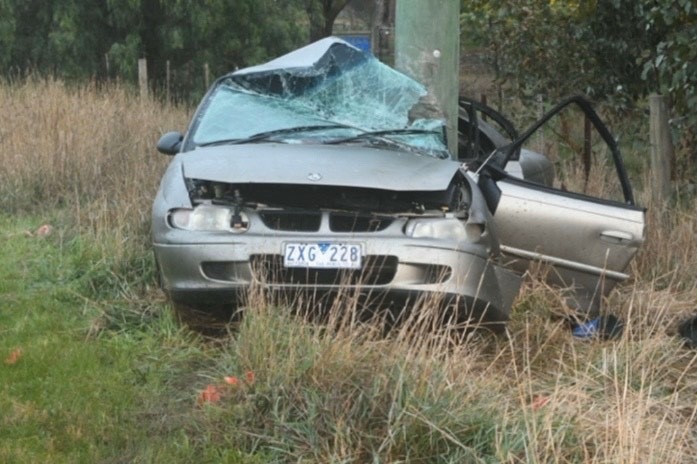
(209, 218)
(444, 229)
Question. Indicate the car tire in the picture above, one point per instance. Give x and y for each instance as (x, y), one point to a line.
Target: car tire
(158, 275)
(214, 321)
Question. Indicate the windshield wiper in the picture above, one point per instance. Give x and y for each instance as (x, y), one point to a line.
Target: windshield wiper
(262, 136)
(382, 133)
(382, 136)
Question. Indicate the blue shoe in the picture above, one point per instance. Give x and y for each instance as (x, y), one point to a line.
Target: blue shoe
(587, 329)
(603, 327)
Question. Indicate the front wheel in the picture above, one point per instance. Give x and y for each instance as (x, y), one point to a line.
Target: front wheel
(211, 321)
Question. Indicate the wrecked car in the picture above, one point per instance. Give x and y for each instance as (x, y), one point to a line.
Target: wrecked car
(312, 173)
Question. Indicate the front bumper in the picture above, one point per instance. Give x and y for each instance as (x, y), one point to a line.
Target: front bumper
(396, 266)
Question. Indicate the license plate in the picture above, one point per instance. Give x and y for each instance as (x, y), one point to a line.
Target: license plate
(322, 255)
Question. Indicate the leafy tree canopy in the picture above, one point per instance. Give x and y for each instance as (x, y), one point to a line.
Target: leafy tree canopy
(78, 38)
(615, 50)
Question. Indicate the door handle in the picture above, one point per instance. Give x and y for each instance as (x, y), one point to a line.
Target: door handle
(616, 237)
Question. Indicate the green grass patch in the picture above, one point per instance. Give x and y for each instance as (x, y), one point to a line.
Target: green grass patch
(71, 389)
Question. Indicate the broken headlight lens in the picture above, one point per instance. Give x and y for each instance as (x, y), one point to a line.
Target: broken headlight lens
(210, 218)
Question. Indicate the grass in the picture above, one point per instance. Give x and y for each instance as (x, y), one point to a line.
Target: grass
(63, 398)
(106, 375)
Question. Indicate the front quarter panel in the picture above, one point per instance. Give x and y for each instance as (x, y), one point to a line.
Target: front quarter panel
(171, 194)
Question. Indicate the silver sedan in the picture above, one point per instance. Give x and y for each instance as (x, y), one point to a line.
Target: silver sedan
(311, 173)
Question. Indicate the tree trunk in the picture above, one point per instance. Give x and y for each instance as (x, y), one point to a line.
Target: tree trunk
(322, 14)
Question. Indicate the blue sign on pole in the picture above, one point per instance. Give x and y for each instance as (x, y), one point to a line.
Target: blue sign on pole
(358, 40)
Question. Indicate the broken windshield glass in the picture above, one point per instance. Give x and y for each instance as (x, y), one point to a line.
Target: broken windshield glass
(327, 83)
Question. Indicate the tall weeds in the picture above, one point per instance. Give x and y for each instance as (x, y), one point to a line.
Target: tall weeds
(87, 151)
(345, 392)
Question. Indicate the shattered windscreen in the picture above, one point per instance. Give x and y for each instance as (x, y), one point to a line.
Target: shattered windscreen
(327, 92)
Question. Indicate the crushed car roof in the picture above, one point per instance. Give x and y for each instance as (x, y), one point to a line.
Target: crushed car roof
(302, 59)
(328, 82)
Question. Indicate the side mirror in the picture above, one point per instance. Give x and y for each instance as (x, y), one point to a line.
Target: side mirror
(170, 143)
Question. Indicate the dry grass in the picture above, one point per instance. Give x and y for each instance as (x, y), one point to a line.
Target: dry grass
(343, 392)
(86, 149)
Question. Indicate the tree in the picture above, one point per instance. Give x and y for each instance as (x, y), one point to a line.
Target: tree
(672, 64)
(25, 33)
(614, 50)
(322, 14)
(74, 38)
(77, 36)
(7, 31)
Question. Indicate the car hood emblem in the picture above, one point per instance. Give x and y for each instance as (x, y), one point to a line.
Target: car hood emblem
(314, 176)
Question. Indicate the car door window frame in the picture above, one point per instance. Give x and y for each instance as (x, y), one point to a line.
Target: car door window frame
(507, 153)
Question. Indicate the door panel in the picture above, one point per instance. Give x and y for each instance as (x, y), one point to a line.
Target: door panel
(588, 242)
(586, 238)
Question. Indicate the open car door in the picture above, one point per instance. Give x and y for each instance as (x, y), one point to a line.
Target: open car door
(585, 227)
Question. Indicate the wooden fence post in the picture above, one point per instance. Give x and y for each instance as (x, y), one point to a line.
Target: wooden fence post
(587, 148)
(662, 152)
(206, 75)
(541, 112)
(143, 77)
(167, 79)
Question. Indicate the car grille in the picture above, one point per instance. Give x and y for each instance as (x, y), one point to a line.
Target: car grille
(310, 221)
(377, 270)
(344, 222)
(292, 221)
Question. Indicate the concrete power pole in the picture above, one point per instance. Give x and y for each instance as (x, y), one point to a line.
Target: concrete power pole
(427, 48)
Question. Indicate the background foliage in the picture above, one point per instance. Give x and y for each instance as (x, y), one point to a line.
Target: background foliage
(105, 38)
(616, 51)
